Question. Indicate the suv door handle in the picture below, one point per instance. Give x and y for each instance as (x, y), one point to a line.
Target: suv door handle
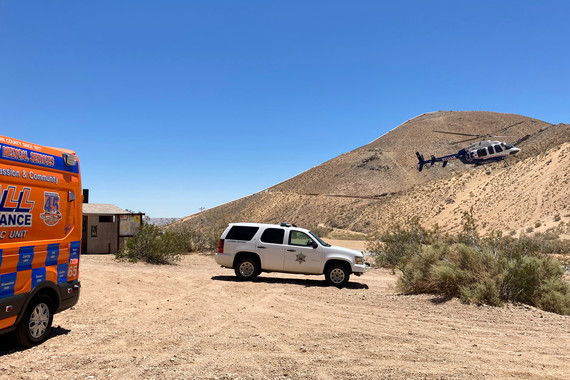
(291, 250)
(261, 247)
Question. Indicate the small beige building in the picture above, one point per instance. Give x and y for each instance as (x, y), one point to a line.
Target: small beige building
(106, 227)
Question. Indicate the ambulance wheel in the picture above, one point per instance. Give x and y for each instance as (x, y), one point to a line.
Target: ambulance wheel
(35, 326)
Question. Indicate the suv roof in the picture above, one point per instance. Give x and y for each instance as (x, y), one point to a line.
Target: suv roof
(248, 235)
(265, 225)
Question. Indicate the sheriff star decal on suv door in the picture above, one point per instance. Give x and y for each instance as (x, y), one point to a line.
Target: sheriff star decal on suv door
(300, 258)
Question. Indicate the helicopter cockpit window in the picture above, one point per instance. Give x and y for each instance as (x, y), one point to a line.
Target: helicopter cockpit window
(506, 146)
(490, 148)
(498, 149)
(482, 152)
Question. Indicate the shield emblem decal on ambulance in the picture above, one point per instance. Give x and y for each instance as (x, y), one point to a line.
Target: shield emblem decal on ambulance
(51, 214)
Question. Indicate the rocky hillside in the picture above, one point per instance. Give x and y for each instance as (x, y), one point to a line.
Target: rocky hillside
(374, 186)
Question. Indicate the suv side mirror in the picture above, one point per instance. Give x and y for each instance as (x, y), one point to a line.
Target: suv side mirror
(313, 244)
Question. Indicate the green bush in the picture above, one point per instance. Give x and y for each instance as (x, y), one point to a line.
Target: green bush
(202, 240)
(554, 297)
(417, 276)
(485, 292)
(400, 243)
(157, 245)
(485, 270)
(152, 245)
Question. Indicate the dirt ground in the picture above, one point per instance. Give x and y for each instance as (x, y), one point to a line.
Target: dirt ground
(194, 320)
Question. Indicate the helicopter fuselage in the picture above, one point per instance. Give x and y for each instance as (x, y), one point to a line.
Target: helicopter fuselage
(486, 151)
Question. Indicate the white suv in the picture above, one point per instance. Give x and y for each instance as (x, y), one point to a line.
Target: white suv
(252, 248)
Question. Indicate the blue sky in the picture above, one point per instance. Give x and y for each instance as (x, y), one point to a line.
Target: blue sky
(176, 105)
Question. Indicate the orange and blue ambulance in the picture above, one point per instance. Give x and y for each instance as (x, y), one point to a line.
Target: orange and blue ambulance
(40, 237)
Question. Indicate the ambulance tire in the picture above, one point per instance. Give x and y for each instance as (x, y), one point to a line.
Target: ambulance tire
(35, 326)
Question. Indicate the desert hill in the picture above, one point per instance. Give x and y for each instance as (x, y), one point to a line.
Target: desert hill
(389, 163)
(374, 186)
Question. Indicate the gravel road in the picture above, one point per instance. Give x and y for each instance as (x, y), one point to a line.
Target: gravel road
(194, 320)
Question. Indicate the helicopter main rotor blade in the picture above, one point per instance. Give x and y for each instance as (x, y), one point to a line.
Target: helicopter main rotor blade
(477, 136)
(462, 141)
(460, 134)
(507, 127)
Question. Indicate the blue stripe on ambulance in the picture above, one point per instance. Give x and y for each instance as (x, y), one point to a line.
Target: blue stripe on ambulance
(58, 163)
(8, 280)
(7, 284)
(52, 254)
(26, 258)
(74, 250)
(62, 273)
(38, 276)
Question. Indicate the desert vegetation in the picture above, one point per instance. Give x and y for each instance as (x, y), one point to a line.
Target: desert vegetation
(153, 245)
(491, 270)
(165, 245)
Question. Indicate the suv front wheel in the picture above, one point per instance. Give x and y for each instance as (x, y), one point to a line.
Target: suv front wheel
(247, 269)
(337, 275)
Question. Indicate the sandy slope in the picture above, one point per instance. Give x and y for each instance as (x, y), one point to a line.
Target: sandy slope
(194, 320)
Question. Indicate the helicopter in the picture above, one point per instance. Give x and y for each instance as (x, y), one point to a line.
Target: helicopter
(477, 153)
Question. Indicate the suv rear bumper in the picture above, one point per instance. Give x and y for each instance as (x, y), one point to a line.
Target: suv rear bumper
(225, 259)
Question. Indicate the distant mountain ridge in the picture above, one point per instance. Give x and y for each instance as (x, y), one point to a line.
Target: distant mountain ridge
(369, 188)
(162, 221)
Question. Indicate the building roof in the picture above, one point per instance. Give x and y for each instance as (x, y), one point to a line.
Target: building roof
(102, 209)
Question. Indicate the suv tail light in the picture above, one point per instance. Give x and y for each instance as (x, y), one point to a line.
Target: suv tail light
(221, 246)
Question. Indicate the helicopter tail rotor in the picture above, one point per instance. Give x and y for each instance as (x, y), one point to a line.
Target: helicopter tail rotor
(421, 161)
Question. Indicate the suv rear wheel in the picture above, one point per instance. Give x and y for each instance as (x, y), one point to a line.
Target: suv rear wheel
(247, 268)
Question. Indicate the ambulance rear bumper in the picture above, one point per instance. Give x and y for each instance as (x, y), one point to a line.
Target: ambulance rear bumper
(69, 294)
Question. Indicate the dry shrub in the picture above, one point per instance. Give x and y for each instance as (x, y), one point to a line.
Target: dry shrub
(152, 245)
(203, 240)
(484, 270)
(156, 245)
(401, 243)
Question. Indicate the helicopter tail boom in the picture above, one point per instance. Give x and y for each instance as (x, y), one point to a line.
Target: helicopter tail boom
(435, 159)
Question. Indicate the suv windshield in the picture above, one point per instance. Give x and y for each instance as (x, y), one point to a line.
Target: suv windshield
(319, 239)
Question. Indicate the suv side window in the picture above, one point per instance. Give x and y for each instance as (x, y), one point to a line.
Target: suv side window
(299, 238)
(242, 233)
(273, 236)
